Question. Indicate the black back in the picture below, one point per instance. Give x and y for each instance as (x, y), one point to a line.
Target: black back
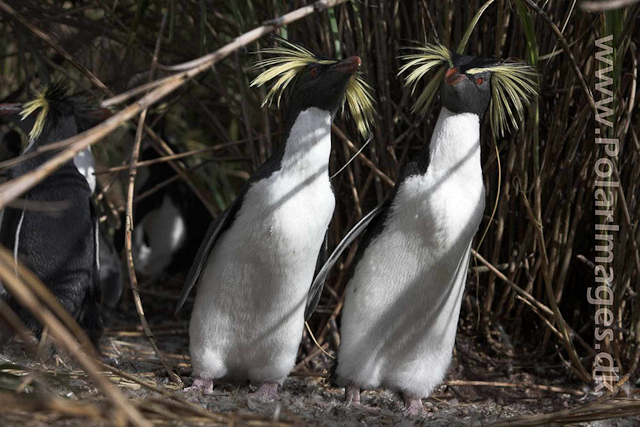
(56, 232)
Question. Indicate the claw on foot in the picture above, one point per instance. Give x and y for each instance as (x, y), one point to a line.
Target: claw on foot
(352, 395)
(200, 384)
(413, 406)
(267, 391)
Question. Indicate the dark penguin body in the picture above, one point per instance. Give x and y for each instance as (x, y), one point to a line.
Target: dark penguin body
(257, 262)
(110, 270)
(407, 280)
(9, 148)
(58, 242)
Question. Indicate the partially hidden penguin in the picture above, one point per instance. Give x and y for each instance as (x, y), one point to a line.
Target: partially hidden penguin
(406, 282)
(110, 266)
(171, 222)
(53, 229)
(256, 264)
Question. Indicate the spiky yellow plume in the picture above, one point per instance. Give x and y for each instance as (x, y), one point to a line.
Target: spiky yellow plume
(290, 60)
(513, 84)
(431, 57)
(40, 102)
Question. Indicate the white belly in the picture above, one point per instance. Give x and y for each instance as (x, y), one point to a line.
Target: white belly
(166, 231)
(248, 316)
(402, 304)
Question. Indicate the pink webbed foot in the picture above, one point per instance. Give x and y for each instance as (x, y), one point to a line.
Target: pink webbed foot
(352, 395)
(267, 391)
(413, 406)
(200, 384)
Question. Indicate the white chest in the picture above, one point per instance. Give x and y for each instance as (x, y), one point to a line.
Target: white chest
(444, 206)
(249, 312)
(160, 234)
(294, 205)
(86, 164)
(441, 211)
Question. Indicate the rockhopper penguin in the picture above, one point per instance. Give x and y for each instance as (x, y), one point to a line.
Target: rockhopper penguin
(171, 222)
(406, 282)
(58, 241)
(256, 264)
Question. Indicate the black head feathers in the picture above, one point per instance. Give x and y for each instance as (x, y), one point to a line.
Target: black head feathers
(315, 81)
(54, 105)
(472, 84)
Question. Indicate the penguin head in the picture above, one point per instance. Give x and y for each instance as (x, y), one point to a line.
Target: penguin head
(469, 84)
(53, 115)
(466, 87)
(314, 81)
(322, 86)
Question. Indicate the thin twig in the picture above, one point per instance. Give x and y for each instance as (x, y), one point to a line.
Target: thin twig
(167, 393)
(16, 187)
(567, 51)
(577, 366)
(45, 37)
(135, 152)
(553, 389)
(18, 287)
(604, 6)
(335, 129)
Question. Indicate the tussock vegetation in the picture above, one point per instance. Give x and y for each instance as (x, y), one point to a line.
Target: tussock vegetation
(531, 272)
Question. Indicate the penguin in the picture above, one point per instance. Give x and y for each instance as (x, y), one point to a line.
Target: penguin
(58, 243)
(86, 165)
(406, 282)
(170, 223)
(9, 148)
(109, 270)
(256, 264)
(109, 264)
(110, 267)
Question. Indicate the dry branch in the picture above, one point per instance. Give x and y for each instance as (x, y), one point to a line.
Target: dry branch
(24, 294)
(16, 187)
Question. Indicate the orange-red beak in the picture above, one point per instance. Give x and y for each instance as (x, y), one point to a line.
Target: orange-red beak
(452, 76)
(349, 65)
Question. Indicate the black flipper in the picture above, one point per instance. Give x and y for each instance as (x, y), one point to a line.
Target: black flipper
(202, 256)
(318, 282)
(95, 220)
(89, 317)
(324, 253)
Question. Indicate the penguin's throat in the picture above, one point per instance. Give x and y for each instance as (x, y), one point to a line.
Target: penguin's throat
(455, 143)
(309, 143)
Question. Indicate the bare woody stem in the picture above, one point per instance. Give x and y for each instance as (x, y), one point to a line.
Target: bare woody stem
(16, 187)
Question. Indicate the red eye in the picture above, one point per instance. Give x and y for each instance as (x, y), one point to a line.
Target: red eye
(479, 80)
(313, 71)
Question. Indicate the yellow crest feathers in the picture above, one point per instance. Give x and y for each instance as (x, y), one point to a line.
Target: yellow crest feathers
(290, 60)
(428, 58)
(513, 84)
(40, 102)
